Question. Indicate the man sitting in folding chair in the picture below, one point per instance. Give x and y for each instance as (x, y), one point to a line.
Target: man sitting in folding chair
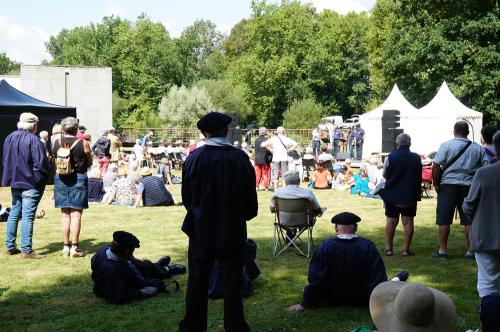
(295, 211)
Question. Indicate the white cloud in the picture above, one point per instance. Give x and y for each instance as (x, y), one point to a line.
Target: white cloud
(23, 43)
(112, 8)
(339, 6)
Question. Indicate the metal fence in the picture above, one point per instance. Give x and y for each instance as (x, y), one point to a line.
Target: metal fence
(129, 135)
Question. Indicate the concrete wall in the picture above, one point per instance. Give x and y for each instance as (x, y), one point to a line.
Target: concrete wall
(89, 89)
(14, 81)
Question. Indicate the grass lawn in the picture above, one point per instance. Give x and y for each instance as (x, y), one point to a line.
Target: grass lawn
(55, 294)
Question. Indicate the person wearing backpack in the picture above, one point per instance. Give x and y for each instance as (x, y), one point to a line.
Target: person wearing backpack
(72, 158)
(101, 151)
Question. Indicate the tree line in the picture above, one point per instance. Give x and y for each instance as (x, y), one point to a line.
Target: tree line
(290, 63)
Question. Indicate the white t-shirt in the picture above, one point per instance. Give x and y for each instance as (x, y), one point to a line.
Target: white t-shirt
(280, 145)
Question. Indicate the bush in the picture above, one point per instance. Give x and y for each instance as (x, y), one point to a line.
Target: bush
(305, 113)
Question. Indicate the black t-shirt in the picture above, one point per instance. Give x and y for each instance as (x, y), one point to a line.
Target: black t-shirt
(78, 158)
(260, 152)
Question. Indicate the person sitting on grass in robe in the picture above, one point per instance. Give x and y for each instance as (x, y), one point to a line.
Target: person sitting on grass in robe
(344, 269)
(119, 277)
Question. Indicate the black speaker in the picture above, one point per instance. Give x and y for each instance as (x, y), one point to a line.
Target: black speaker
(390, 119)
(389, 139)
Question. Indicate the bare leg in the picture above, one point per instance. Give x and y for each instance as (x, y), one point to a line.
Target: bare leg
(467, 229)
(408, 229)
(76, 217)
(444, 232)
(390, 229)
(65, 225)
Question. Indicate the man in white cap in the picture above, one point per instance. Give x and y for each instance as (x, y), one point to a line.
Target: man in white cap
(25, 170)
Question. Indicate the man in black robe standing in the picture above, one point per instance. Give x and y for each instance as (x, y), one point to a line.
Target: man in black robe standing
(218, 191)
(344, 269)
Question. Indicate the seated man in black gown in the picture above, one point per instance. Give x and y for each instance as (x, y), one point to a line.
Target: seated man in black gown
(120, 278)
(344, 270)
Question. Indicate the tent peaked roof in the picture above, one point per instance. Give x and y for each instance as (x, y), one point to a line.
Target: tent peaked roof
(11, 97)
(395, 101)
(445, 103)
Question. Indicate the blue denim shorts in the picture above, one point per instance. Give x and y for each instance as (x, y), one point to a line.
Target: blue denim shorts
(71, 191)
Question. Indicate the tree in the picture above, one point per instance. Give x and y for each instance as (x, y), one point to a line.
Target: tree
(419, 43)
(227, 97)
(194, 47)
(183, 107)
(305, 113)
(7, 65)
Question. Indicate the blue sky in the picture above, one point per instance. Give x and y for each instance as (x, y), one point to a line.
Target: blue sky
(25, 25)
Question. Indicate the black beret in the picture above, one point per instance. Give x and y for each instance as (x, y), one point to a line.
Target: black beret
(126, 239)
(345, 218)
(213, 122)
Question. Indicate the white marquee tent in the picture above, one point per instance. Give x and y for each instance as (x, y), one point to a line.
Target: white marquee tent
(433, 124)
(371, 122)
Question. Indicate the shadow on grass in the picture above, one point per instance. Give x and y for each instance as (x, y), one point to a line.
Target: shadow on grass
(89, 246)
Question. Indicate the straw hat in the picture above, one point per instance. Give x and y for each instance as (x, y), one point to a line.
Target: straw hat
(122, 172)
(397, 306)
(146, 171)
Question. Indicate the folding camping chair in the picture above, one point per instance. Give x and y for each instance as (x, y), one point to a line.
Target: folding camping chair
(309, 165)
(292, 216)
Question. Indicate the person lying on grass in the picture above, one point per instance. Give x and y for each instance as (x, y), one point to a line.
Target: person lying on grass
(119, 277)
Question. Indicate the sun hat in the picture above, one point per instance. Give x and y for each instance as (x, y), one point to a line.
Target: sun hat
(397, 306)
(146, 171)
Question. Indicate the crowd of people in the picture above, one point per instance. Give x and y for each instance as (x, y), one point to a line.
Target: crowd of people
(220, 180)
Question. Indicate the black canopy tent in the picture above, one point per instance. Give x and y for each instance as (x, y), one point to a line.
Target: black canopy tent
(14, 102)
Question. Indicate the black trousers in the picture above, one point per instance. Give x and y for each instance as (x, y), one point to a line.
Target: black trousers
(200, 266)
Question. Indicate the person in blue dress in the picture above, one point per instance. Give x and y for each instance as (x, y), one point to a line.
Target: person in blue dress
(344, 269)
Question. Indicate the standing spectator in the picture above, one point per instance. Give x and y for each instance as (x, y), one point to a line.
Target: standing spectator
(359, 136)
(218, 191)
(279, 145)
(56, 133)
(325, 156)
(316, 141)
(81, 134)
(262, 164)
(165, 171)
(403, 174)
(453, 168)
(147, 138)
(101, 151)
(25, 170)
(487, 133)
(351, 141)
(44, 137)
(138, 151)
(71, 190)
(337, 139)
(115, 145)
(482, 206)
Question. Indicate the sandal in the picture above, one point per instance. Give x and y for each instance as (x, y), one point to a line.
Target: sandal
(407, 253)
(388, 252)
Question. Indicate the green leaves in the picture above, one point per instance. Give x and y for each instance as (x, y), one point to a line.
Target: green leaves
(7, 66)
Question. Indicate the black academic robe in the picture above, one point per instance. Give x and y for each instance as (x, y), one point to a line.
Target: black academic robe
(218, 192)
(343, 272)
(117, 283)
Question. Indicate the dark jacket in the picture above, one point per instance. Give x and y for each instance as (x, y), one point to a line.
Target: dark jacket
(114, 281)
(343, 272)
(403, 177)
(101, 147)
(218, 192)
(25, 163)
(260, 152)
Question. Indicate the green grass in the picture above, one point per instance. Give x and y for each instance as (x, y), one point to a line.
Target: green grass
(55, 294)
